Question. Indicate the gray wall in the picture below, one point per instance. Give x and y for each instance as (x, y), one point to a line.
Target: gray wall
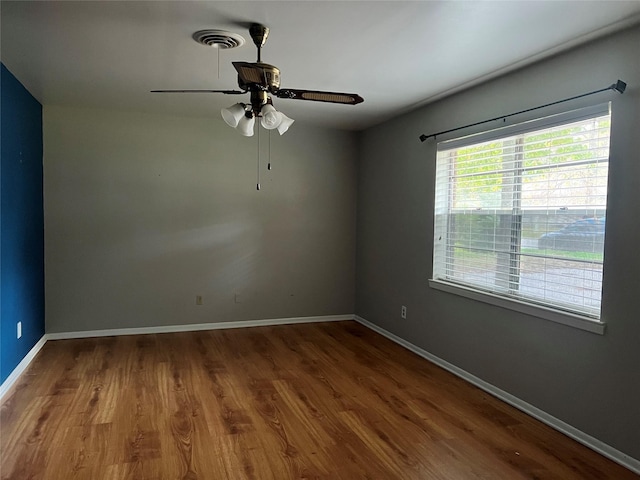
(144, 212)
(589, 381)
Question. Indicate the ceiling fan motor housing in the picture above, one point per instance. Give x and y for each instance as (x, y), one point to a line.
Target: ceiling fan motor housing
(271, 76)
(266, 77)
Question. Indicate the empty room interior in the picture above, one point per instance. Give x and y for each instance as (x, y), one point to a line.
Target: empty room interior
(320, 239)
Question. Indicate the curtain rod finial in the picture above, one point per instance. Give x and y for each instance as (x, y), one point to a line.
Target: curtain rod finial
(619, 86)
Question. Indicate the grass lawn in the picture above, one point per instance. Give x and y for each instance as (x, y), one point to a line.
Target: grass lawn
(564, 254)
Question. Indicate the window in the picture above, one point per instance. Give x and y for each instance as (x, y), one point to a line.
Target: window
(520, 212)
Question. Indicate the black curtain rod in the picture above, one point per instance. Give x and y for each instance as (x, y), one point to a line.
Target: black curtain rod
(619, 87)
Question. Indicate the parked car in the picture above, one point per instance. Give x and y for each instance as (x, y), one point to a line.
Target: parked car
(585, 235)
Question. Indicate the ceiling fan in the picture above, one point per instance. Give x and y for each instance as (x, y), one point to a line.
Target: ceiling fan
(262, 81)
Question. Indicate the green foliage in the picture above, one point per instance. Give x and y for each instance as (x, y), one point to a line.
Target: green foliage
(484, 174)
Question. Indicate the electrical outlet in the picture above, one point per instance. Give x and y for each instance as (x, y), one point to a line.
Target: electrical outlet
(19, 329)
(199, 300)
(403, 312)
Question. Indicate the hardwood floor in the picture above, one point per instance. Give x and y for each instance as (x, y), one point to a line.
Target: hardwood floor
(328, 400)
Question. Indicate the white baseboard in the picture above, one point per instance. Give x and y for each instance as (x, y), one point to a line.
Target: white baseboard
(195, 327)
(570, 431)
(21, 367)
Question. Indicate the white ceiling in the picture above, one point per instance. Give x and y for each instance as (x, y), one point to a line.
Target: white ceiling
(395, 54)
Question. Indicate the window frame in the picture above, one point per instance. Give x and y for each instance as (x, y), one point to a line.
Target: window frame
(529, 307)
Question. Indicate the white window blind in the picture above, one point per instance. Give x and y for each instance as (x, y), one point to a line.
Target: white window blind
(520, 212)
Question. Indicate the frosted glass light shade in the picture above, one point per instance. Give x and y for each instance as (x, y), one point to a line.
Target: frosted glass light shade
(233, 114)
(271, 118)
(285, 123)
(245, 125)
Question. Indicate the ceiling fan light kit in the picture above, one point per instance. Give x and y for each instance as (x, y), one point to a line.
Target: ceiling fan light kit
(261, 81)
(242, 117)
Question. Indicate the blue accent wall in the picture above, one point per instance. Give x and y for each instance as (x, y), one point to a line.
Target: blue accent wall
(22, 222)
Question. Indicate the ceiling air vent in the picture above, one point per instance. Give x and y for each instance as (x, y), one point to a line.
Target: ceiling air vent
(218, 38)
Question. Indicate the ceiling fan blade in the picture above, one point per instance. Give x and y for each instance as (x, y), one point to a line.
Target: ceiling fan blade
(249, 72)
(318, 96)
(226, 92)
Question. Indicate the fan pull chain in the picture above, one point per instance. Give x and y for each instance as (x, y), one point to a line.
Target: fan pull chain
(269, 152)
(258, 173)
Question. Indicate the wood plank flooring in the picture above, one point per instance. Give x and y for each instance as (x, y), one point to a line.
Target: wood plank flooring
(326, 401)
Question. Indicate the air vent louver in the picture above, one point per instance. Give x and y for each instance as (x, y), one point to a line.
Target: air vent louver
(218, 38)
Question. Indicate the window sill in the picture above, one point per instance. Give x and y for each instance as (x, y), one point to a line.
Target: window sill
(564, 318)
